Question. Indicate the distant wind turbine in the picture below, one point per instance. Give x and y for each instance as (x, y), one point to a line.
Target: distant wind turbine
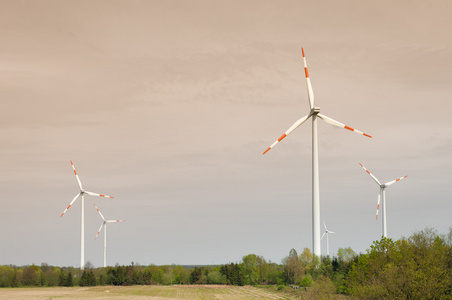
(104, 223)
(82, 221)
(314, 113)
(381, 195)
(327, 232)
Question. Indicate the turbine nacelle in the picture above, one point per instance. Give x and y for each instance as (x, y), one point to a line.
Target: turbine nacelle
(314, 111)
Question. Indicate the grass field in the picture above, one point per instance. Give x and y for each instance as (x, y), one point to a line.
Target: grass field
(153, 292)
(195, 292)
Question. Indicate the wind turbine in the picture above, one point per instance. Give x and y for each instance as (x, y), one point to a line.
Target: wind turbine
(105, 233)
(327, 232)
(382, 196)
(82, 220)
(314, 113)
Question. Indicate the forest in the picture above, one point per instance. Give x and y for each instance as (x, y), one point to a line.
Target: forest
(417, 267)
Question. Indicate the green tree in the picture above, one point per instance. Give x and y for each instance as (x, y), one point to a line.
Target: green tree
(413, 268)
(196, 276)
(233, 274)
(216, 277)
(61, 278)
(345, 254)
(69, 279)
(14, 281)
(158, 276)
(7, 275)
(263, 270)
(326, 267)
(87, 278)
(250, 269)
(275, 274)
(306, 281)
(31, 275)
(180, 275)
(293, 267)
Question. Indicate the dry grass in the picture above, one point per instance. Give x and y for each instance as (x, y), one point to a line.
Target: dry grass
(198, 292)
(195, 292)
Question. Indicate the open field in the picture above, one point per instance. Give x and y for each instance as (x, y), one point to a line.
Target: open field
(154, 292)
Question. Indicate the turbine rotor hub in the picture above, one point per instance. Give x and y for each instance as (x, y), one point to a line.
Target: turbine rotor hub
(315, 110)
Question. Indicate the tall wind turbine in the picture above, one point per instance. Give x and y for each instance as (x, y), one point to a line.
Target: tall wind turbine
(381, 196)
(327, 232)
(104, 223)
(82, 220)
(314, 113)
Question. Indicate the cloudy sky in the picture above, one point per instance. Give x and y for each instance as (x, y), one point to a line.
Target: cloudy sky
(168, 106)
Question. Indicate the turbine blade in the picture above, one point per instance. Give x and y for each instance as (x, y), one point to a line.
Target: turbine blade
(292, 128)
(308, 82)
(323, 235)
(99, 195)
(375, 178)
(325, 226)
(394, 181)
(331, 232)
(99, 212)
(99, 230)
(76, 176)
(73, 200)
(339, 124)
(378, 204)
(115, 221)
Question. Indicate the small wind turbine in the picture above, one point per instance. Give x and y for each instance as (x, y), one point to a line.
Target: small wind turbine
(82, 221)
(105, 233)
(314, 113)
(327, 232)
(381, 196)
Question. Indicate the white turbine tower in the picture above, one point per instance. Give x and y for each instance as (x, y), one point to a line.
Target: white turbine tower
(104, 223)
(327, 232)
(381, 195)
(314, 113)
(82, 221)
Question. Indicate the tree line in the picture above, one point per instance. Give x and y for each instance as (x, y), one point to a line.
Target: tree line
(417, 267)
(252, 270)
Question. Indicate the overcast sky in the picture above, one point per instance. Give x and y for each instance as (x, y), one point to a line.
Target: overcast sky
(168, 106)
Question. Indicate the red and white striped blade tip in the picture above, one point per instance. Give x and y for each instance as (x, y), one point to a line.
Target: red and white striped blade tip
(378, 206)
(70, 204)
(394, 181)
(371, 175)
(100, 228)
(99, 211)
(277, 141)
(308, 82)
(288, 131)
(98, 195)
(76, 175)
(339, 124)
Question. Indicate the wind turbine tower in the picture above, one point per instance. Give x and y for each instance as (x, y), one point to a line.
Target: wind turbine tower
(314, 113)
(82, 220)
(327, 232)
(381, 195)
(104, 223)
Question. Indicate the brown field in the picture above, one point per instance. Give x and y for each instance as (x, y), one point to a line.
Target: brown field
(136, 292)
(196, 292)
